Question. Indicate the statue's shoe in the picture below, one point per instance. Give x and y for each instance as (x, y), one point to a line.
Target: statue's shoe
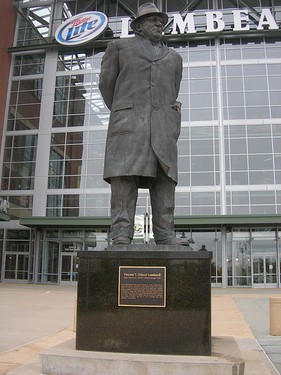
(121, 241)
(174, 242)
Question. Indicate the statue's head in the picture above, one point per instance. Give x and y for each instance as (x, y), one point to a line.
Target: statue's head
(149, 22)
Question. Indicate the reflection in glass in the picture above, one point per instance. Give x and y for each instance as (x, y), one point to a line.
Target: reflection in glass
(29, 64)
(49, 263)
(10, 266)
(22, 267)
(270, 269)
(264, 270)
(239, 260)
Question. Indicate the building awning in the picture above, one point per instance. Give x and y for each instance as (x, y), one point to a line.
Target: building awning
(228, 221)
(180, 221)
(77, 222)
(4, 216)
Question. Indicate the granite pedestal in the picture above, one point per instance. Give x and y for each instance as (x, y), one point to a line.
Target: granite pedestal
(63, 359)
(179, 325)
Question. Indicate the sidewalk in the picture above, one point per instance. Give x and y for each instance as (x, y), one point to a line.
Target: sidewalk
(33, 318)
(37, 317)
(244, 314)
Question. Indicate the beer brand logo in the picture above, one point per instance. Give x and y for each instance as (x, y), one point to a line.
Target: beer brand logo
(81, 28)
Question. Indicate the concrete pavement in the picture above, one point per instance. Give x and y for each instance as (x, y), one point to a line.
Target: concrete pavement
(37, 317)
(32, 319)
(255, 309)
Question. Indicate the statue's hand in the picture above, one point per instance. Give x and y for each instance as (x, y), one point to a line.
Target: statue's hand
(177, 106)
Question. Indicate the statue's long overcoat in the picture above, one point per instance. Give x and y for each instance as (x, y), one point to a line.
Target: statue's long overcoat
(141, 91)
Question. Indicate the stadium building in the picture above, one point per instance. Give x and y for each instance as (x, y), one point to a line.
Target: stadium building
(54, 201)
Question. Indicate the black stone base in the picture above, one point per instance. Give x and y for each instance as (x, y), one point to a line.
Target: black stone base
(182, 327)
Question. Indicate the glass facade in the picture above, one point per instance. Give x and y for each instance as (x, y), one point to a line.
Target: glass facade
(229, 148)
(57, 260)
(18, 257)
(252, 257)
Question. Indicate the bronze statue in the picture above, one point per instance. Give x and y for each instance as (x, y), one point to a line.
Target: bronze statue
(139, 81)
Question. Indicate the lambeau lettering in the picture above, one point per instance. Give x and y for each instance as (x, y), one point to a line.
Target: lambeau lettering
(86, 26)
(185, 24)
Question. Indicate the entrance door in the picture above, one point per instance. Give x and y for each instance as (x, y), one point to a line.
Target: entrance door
(264, 271)
(69, 268)
(16, 267)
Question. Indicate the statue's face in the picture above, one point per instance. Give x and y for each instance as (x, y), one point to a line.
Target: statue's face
(152, 27)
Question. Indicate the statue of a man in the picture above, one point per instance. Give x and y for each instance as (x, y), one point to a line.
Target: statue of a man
(139, 81)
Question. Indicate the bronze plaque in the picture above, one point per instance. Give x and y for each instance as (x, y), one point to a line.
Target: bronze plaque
(142, 286)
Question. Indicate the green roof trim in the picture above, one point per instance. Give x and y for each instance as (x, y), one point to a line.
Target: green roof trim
(4, 216)
(228, 220)
(180, 221)
(42, 221)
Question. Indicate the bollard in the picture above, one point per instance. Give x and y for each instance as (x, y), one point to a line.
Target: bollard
(75, 314)
(275, 316)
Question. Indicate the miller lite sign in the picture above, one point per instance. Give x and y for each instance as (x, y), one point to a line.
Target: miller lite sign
(81, 28)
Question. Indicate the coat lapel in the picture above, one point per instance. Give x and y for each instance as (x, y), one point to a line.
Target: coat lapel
(153, 53)
(163, 52)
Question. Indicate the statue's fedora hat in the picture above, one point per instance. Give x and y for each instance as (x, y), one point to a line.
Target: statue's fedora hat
(147, 10)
